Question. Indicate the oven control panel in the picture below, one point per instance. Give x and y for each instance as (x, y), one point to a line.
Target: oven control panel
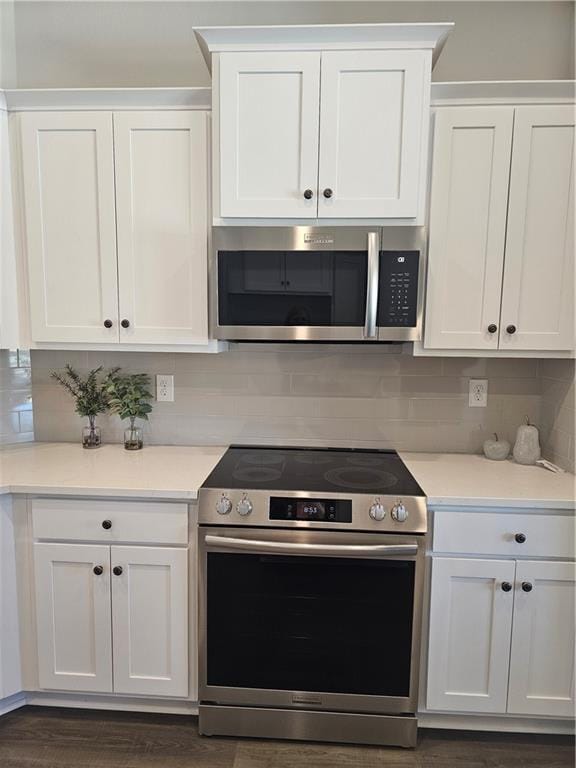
(311, 510)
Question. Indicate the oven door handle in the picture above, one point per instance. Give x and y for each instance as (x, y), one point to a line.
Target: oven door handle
(303, 548)
(372, 286)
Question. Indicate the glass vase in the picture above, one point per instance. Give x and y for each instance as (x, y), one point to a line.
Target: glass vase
(91, 435)
(133, 438)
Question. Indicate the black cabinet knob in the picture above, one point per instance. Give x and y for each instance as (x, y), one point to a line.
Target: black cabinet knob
(328, 192)
(117, 570)
(506, 586)
(492, 328)
(107, 524)
(520, 538)
(98, 570)
(125, 323)
(510, 329)
(308, 194)
(526, 586)
(108, 323)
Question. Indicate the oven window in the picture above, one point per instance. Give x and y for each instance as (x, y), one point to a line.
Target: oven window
(332, 625)
(280, 288)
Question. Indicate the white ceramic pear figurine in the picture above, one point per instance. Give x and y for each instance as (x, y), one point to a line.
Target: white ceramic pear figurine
(496, 449)
(527, 445)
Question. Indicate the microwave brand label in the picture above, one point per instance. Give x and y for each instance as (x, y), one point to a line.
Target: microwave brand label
(310, 237)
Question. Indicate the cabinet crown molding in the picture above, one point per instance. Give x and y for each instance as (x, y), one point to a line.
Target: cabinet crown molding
(314, 37)
(108, 99)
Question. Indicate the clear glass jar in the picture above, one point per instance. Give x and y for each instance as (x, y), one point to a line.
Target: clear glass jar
(133, 438)
(91, 436)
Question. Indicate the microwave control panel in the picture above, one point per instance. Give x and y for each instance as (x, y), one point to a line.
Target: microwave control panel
(398, 294)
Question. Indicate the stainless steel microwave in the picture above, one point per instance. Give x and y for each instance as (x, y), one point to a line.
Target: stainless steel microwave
(317, 284)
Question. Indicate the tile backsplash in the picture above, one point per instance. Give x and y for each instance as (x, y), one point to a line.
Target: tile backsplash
(320, 395)
(558, 411)
(16, 417)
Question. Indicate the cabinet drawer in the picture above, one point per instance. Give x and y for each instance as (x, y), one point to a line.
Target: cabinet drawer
(494, 533)
(130, 521)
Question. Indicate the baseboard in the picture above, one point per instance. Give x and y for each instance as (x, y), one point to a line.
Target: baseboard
(498, 723)
(117, 703)
(10, 703)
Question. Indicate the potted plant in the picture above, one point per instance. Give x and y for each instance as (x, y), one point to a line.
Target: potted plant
(91, 399)
(128, 396)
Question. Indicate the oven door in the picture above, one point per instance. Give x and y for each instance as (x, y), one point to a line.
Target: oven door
(294, 283)
(309, 619)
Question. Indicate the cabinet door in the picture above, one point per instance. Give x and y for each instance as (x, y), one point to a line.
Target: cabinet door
(371, 126)
(268, 125)
(10, 669)
(73, 617)
(161, 162)
(150, 620)
(470, 626)
(542, 659)
(471, 164)
(538, 289)
(68, 179)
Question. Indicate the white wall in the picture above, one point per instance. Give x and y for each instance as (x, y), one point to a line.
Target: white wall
(68, 44)
(7, 44)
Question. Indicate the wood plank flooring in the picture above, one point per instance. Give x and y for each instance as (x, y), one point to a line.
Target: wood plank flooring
(35, 737)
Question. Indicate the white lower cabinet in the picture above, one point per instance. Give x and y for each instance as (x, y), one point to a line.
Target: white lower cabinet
(73, 617)
(542, 658)
(112, 619)
(470, 628)
(150, 620)
(502, 637)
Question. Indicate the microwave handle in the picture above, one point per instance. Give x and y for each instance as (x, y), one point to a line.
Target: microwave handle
(305, 548)
(370, 329)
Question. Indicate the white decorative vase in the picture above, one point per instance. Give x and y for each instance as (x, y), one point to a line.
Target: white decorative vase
(527, 445)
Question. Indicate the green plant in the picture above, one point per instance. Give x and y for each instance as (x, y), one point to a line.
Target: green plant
(128, 396)
(89, 393)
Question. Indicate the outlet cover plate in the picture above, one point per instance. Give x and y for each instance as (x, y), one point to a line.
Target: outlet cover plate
(164, 388)
(478, 393)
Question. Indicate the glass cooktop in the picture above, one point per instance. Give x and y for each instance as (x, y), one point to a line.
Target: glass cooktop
(337, 470)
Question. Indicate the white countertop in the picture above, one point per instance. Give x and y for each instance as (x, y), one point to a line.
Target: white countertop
(473, 481)
(177, 472)
(157, 471)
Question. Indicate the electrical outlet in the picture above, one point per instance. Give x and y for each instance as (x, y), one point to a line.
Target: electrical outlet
(165, 388)
(478, 393)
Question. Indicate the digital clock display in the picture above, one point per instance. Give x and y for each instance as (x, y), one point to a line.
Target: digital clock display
(310, 510)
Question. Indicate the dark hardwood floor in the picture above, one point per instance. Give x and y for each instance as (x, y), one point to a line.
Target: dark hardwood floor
(36, 737)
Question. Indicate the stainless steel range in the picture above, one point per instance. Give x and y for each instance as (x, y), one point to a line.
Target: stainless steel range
(311, 564)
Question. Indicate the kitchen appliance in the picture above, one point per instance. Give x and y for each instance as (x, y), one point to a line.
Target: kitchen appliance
(311, 568)
(317, 283)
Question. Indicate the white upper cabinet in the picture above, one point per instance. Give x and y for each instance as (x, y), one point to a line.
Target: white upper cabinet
(321, 122)
(538, 292)
(161, 166)
(68, 182)
(469, 193)
(116, 226)
(268, 117)
(501, 247)
(373, 115)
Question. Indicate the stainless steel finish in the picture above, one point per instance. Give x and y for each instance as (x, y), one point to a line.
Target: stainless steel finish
(313, 239)
(370, 331)
(307, 725)
(361, 503)
(223, 506)
(335, 702)
(244, 506)
(289, 547)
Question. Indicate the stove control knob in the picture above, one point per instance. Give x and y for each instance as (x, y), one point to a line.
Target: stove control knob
(244, 507)
(399, 513)
(377, 511)
(223, 505)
